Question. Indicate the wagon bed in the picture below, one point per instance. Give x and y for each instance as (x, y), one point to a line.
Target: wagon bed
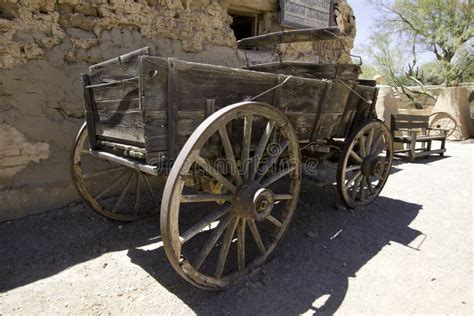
(154, 104)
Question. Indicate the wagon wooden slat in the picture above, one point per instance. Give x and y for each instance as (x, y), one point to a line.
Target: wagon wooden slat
(222, 149)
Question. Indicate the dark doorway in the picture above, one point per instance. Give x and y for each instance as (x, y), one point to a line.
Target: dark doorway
(244, 26)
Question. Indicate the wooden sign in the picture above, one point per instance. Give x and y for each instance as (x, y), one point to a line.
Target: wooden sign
(306, 13)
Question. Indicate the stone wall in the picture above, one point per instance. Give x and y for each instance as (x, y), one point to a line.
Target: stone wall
(46, 44)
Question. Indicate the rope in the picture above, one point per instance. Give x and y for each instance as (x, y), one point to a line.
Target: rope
(269, 90)
(348, 87)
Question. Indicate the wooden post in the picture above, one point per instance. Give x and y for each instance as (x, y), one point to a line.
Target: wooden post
(411, 153)
(172, 109)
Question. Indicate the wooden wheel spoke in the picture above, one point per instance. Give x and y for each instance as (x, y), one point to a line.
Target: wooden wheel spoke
(370, 187)
(211, 242)
(280, 197)
(261, 148)
(274, 221)
(214, 173)
(261, 172)
(224, 251)
(376, 143)
(356, 157)
(353, 168)
(109, 188)
(246, 142)
(150, 189)
(122, 194)
(137, 193)
(277, 176)
(102, 172)
(241, 244)
(355, 186)
(201, 198)
(203, 223)
(362, 151)
(256, 236)
(370, 138)
(352, 179)
(362, 189)
(230, 154)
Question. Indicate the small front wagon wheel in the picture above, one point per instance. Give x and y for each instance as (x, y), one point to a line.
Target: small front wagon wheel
(113, 190)
(231, 194)
(365, 164)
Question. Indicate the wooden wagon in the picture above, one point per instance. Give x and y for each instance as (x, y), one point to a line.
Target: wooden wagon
(224, 150)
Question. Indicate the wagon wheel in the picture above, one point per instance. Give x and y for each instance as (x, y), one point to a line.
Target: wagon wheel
(112, 190)
(442, 120)
(213, 238)
(365, 164)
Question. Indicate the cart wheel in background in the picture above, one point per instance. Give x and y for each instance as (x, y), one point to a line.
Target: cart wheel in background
(442, 120)
(365, 163)
(113, 190)
(212, 238)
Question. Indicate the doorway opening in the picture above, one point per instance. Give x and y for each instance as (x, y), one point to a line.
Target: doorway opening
(244, 25)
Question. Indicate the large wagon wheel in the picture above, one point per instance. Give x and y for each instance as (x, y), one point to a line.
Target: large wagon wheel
(365, 164)
(442, 120)
(213, 238)
(112, 190)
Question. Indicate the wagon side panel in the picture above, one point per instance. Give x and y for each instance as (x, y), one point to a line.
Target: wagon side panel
(115, 89)
(196, 85)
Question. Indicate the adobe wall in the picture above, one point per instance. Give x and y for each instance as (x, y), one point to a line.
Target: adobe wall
(46, 44)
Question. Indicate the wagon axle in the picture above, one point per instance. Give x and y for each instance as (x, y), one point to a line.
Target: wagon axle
(372, 166)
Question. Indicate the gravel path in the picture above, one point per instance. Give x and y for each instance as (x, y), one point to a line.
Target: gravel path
(409, 252)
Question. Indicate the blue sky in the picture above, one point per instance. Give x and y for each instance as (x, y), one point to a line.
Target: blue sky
(365, 15)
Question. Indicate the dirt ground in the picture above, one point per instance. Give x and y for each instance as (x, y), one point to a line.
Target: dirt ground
(410, 252)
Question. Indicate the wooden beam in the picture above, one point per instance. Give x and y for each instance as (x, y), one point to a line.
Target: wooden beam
(253, 5)
(305, 35)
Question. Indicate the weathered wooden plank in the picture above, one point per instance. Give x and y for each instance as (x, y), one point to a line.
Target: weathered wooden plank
(199, 82)
(302, 123)
(256, 5)
(301, 94)
(118, 68)
(117, 90)
(154, 83)
(329, 125)
(121, 134)
(121, 105)
(132, 118)
(304, 35)
(306, 13)
(337, 96)
(410, 124)
(412, 118)
(311, 70)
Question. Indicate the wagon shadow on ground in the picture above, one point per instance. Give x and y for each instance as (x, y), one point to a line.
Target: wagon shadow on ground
(306, 273)
(39, 246)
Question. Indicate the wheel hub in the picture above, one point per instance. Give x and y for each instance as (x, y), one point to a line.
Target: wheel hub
(372, 166)
(253, 201)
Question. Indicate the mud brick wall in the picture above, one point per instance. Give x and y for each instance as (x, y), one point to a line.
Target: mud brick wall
(46, 44)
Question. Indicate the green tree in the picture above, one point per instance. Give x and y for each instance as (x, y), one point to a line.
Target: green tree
(388, 59)
(443, 27)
